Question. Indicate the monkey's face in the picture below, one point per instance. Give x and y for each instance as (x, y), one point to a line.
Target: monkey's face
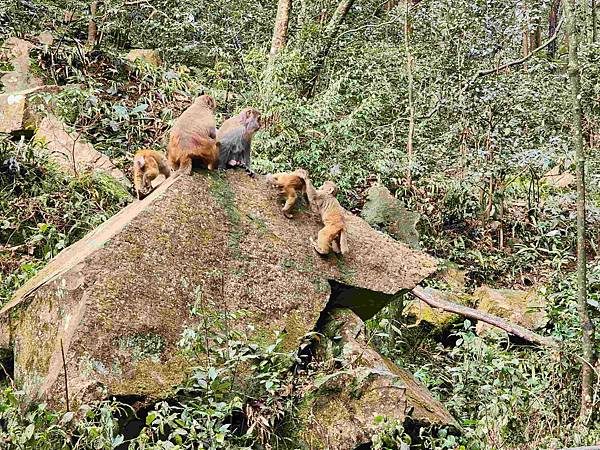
(330, 188)
(207, 101)
(252, 119)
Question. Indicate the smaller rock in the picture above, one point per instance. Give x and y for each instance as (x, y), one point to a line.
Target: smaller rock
(148, 56)
(557, 179)
(12, 112)
(343, 412)
(74, 154)
(45, 38)
(525, 308)
(384, 210)
(16, 108)
(20, 78)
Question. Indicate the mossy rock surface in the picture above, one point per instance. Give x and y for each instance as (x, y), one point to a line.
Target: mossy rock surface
(119, 299)
(343, 411)
(525, 308)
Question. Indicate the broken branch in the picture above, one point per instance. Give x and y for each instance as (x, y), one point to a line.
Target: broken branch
(471, 313)
(524, 58)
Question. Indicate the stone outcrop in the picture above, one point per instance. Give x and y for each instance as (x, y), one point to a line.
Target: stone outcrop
(557, 179)
(16, 109)
(384, 210)
(20, 77)
(363, 386)
(524, 308)
(73, 153)
(148, 56)
(118, 300)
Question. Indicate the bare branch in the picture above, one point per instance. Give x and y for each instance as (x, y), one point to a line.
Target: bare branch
(471, 313)
(517, 62)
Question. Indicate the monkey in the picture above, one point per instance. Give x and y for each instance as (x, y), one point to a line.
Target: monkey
(193, 137)
(235, 137)
(290, 183)
(334, 235)
(147, 165)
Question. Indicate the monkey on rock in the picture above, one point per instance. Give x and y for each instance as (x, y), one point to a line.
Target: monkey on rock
(193, 137)
(147, 165)
(235, 138)
(334, 234)
(290, 183)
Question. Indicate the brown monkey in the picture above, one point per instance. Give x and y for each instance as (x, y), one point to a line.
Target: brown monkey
(334, 235)
(193, 136)
(147, 165)
(235, 137)
(290, 183)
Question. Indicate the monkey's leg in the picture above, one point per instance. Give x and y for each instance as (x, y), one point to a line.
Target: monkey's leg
(324, 239)
(185, 164)
(290, 202)
(138, 182)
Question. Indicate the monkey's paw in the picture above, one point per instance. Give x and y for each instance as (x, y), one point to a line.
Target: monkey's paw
(316, 247)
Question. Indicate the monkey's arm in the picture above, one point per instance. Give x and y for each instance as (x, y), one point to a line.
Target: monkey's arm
(311, 193)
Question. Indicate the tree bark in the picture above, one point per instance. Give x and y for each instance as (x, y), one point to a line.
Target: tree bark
(92, 26)
(586, 323)
(280, 29)
(552, 24)
(471, 313)
(594, 22)
(328, 37)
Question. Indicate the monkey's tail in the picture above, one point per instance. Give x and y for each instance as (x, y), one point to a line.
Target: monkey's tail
(248, 170)
(343, 242)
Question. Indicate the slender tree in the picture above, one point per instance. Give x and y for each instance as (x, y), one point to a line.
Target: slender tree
(92, 26)
(411, 106)
(586, 323)
(552, 24)
(280, 30)
(594, 22)
(329, 35)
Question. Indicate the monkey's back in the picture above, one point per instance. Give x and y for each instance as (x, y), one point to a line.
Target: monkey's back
(195, 122)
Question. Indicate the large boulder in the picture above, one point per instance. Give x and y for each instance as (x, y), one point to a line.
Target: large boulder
(384, 210)
(362, 387)
(525, 308)
(118, 300)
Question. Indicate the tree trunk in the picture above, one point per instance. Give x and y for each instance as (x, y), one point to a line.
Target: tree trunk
(328, 37)
(92, 26)
(594, 22)
(586, 323)
(552, 23)
(411, 106)
(281, 26)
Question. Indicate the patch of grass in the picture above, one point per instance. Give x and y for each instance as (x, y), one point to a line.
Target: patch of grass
(225, 197)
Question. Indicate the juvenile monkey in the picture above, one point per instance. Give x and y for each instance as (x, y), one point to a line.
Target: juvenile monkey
(290, 183)
(333, 236)
(193, 136)
(147, 165)
(235, 138)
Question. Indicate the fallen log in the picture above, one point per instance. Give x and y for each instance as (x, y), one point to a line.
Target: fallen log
(471, 313)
